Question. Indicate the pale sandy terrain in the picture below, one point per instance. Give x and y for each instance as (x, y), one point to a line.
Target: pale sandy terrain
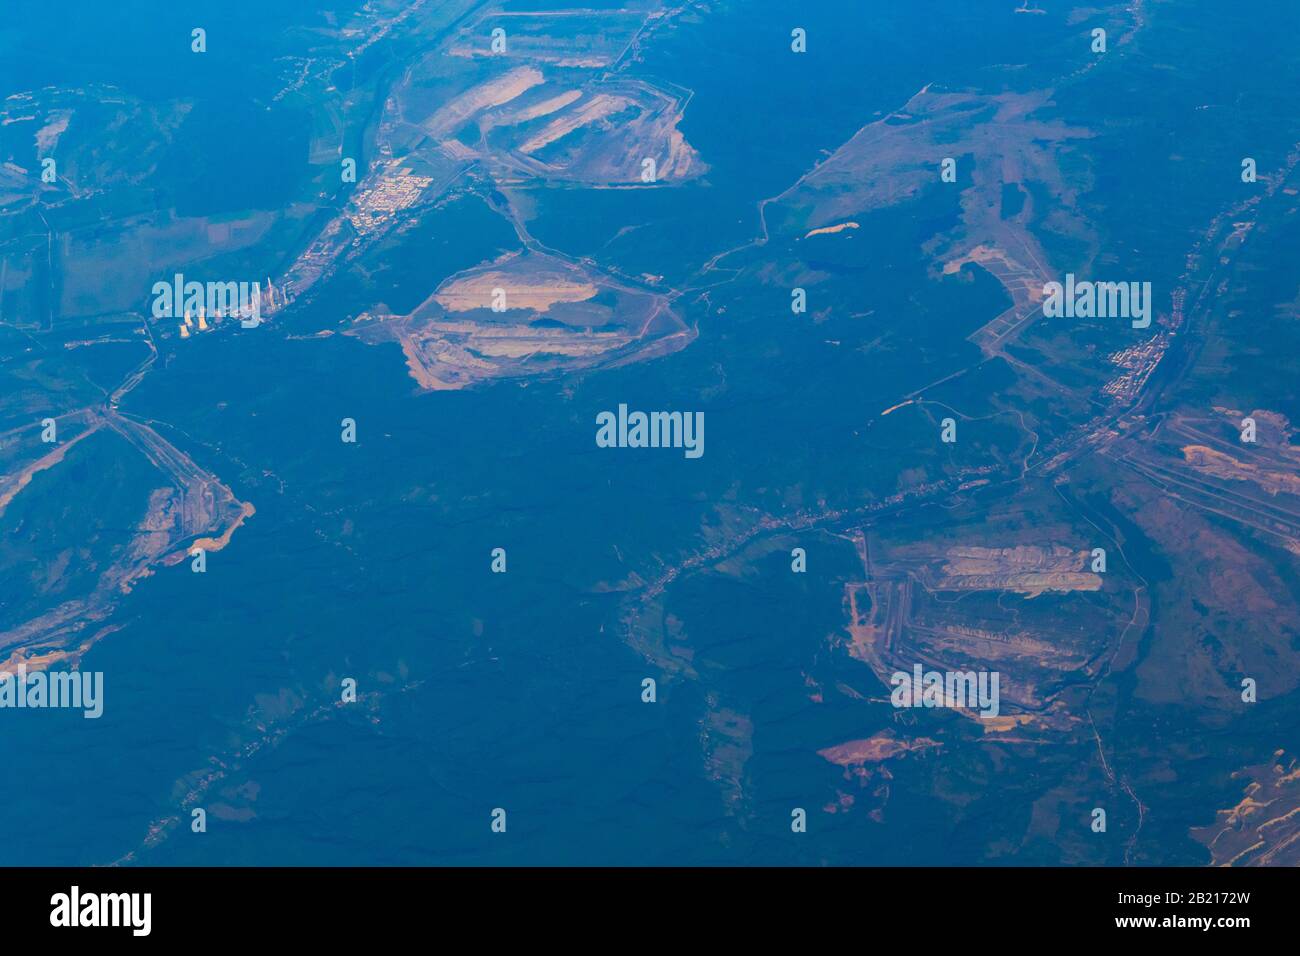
(191, 502)
(23, 478)
(831, 230)
(894, 408)
(683, 161)
(47, 137)
(537, 110)
(874, 749)
(1027, 569)
(1263, 829)
(475, 292)
(591, 111)
(494, 92)
(897, 618)
(1208, 461)
(447, 349)
(246, 510)
(896, 158)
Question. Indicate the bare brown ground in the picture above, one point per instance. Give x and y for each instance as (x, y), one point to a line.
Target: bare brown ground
(43, 463)
(592, 111)
(475, 292)
(1208, 461)
(1263, 829)
(874, 749)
